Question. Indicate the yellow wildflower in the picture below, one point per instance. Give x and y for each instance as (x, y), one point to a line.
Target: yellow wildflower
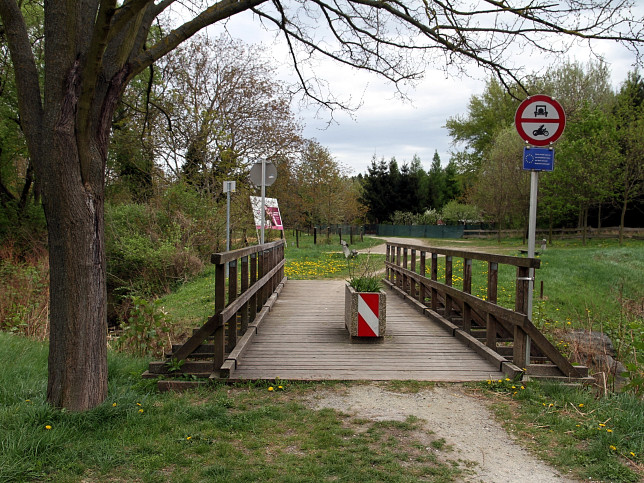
(270, 388)
(48, 427)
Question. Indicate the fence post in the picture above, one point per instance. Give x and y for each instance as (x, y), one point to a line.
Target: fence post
(448, 282)
(340, 234)
(244, 287)
(421, 289)
(412, 282)
(232, 295)
(315, 235)
(398, 277)
(434, 277)
(405, 278)
(520, 355)
(467, 288)
(297, 238)
(220, 303)
(492, 281)
(388, 257)
(252, 307)
(351, 235)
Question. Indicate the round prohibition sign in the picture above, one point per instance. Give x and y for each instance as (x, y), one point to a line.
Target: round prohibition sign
(540, 120)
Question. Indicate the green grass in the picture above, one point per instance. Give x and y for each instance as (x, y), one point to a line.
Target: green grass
(246, 433)
(221, 433)
(595, 438)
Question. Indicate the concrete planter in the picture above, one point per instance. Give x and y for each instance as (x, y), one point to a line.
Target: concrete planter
(365, 315)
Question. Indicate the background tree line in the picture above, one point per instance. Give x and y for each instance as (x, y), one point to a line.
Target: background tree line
(598, 176)
(388, 188)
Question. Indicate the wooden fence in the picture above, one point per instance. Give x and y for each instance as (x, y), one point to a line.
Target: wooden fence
(242, 299)
(508, 333)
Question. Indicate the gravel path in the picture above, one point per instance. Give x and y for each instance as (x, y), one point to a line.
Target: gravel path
(463, 420)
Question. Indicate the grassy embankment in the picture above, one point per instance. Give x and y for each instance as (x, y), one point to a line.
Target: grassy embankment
(248, 433)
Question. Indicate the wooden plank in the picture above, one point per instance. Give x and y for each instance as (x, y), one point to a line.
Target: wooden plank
(305, 339)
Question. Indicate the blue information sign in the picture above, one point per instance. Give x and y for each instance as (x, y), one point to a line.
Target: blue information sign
(538, 159)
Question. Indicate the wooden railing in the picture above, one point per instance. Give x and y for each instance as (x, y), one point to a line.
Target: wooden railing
(255, 276)
(508, 333)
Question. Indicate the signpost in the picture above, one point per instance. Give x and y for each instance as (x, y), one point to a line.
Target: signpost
(263, 174)
(540, 120)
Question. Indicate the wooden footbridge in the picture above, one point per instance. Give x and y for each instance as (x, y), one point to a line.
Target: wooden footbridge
(266, 327)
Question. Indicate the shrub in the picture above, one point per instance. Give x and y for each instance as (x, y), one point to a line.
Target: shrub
(24, 291)
(146, 328)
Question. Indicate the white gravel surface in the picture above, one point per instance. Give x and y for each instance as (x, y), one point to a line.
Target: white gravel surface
(464, 421)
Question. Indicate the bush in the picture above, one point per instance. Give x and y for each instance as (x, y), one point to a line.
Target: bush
(24, 289)
(456, 213)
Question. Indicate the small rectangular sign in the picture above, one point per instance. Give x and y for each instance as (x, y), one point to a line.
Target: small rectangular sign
(538, 159)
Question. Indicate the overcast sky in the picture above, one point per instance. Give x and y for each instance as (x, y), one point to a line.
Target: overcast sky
(384, 125)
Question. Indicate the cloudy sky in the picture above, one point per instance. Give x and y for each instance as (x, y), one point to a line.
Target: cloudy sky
(386, 126)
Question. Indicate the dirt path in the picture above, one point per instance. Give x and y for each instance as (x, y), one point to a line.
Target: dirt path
(465, 422)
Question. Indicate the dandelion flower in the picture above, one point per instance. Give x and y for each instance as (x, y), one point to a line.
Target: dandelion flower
(140, 410)
(27, 400)
(113, 405)
(280, 387)
(270, 388)
(609, 430)
(48, 427)
(612, 447)
(632, 454)
(138, 404)
(581, 405)
(601, 425)
(189, 438)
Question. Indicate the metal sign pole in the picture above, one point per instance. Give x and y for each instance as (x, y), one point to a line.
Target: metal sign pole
(532, 228)
(262, 215)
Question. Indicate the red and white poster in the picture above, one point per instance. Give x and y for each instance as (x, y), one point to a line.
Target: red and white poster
(272, 216)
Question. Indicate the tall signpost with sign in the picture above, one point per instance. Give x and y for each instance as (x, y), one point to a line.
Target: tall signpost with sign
(263, 174)
(540, 121)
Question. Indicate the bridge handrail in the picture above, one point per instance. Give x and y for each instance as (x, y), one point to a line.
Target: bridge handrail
(401, 272)
(262, 269)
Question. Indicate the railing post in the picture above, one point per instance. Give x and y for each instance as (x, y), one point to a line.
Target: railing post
(232, 295)
(412, 282)
(520, 355)
(398, 275)
(252, 303)
(405, 278)
(448, 282)
(467, 275)
(434, 277)
(244, 287)
(467, 288)
(388, 258)
(492, 281)
(266, 262)
(421, 289)
(220, 302)
(261, 267)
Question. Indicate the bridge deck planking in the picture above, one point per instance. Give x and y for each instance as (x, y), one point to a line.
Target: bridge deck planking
(304, 338)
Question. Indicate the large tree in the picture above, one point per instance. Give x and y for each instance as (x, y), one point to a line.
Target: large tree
(94, 48)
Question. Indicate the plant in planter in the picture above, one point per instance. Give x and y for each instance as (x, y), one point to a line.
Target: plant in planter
(364, 303)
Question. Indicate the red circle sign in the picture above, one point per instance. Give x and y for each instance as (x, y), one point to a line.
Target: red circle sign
(540, 120)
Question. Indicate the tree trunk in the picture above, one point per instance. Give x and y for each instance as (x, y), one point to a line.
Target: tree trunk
(622, 220)
(73, 199)
(78, 318)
